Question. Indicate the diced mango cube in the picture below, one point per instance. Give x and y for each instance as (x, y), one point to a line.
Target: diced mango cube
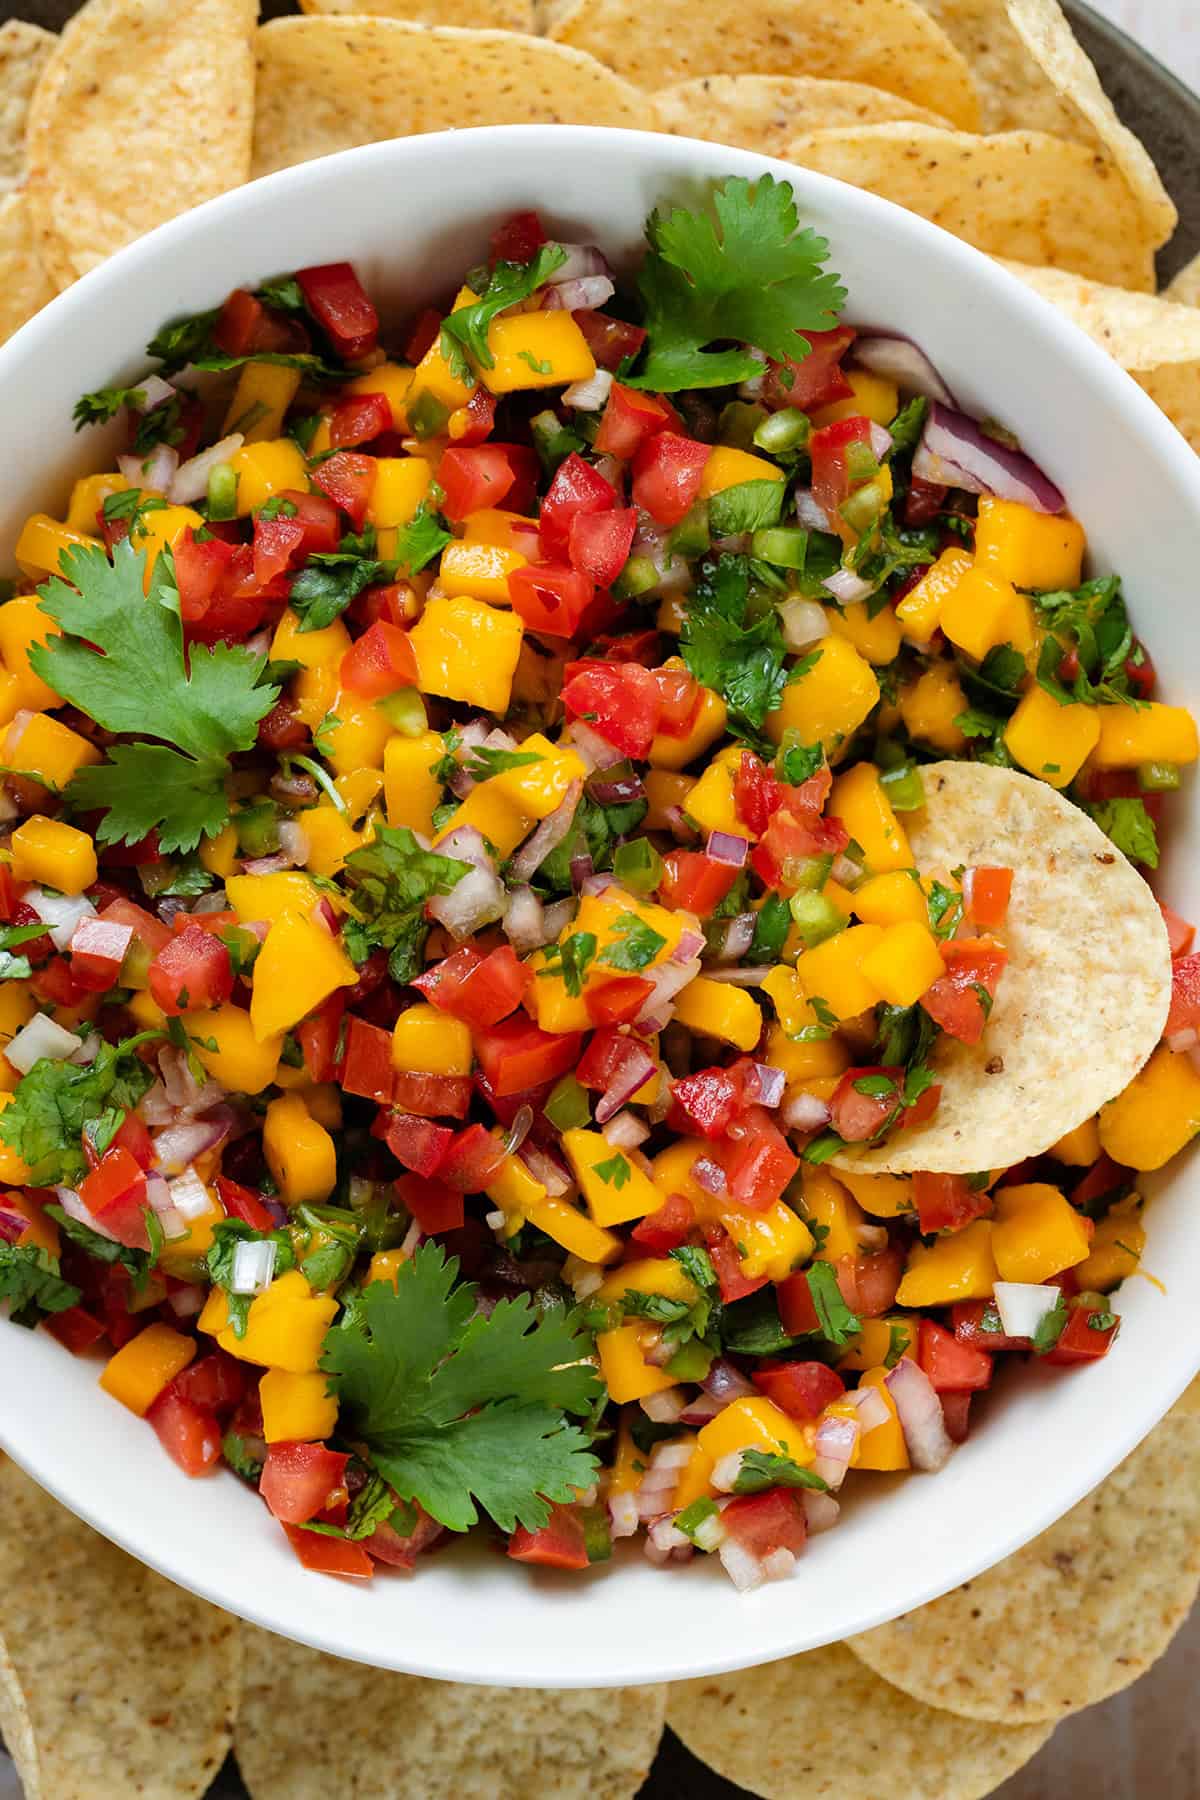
(300, 1153)
(467, 650)
(411, 787)
(429, 1042)
(1050, 740)
(883, 1196)
(300, 965)
(285, 1325)
(830, 701)
(959, 1266)
(139, 1371)
(40, 546)
(1129, 736)
(983, 610)
(627, 1374)
(1080, 1148)
(727, 467)
(22, 625)
(54, 854)
(719, 1010)
(574, 1230)
(297, 1408)
(920, 611)
(904, 964)
(1116, 1249)
(615, 1187)
(536, 350)
(492, 814)
(859, 800)
(827, 1203)
(479, 571)
(537, 789)
(260, 401)
(930, 705)
(754, 1424)
(312, 649)
(1156, 1115)
(225, 1042)
(265, 469)
(833, 971)
(49, 749)
(401, 483)
(1030, 549)
(877, 637)
(1036, 1233)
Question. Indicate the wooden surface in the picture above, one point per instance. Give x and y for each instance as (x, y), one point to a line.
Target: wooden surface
(1169, 29)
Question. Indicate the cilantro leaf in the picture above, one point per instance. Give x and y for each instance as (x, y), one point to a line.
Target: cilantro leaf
(571, 959)
(285, 294)
(190, 341)
(329, 581)
(1127, 824)
(836, 1321)
(740, 656)
(45, 1119)
(390, 880)
(205, 706)
(460, 1410)
(615, 1172)
(424, 537)
(374, 1504)
(747, 506)
(752, 276)
(1093, 621)
(240, 1458)
(138, 1263)
(637, 944)
(227, 1235)
(30, 1282)
(762, 1469)
(483, 763)
(103, 404)
(697, 1265)
(908, 424)
(1050, 1326)
(467, 329)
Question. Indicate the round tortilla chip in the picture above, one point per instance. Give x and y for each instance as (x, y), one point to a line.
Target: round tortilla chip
(130, 1684)
(25, 286)
(495, 15)
(892, 44)
(1083, 998)
(332, 83)
(1185, 288)
(143, 110)
(821, 1724)
(1155, 339)
(432, 1740)
(1074, 1616)
(1018, 193)
(765, 112)
(23, 52)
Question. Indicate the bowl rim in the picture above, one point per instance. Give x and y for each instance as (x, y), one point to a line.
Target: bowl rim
(671, 158)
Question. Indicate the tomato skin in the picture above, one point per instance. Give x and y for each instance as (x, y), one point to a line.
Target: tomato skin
(668, 1228)
(630, 418)
(56, 982)
(386, 1543)
(756, 793)
(1180, 935)
(817, 380)
(800, 1389)
(479, 990)
(1185, 994)
(318, 1038)
(381, 661)
(340, 304)
(114, 1192)
(134, 1137)
(367, 1063)
(923, 502)
(519, 239)
(550, 597)
(618, 1002)
(953, 1001)
(624, 698)
(323, 1555)
(277, 548)
(955, 1409)
(216, 1383)
(872, 1280)
(1139, 667)
(694, 881)
(599, 543)
(280, 729)
(97, 952)
(948, 1202)
(10, 895)
(706, 1103)
(795, 831)
(830, 447)
(193, 971)
(966, 1319)
(433, 1096)
(298, 1479)
(244, 325)
(559, 1544)
(609, 340)
(150, 932)
(990, 892)
(723, 1253)
(359, 419)
(188, 1433)
(1078, 1342)
(667, 472)
(761, 1523)
(75, 1329)
(243, 1203)
(432, 1204)
(474, 478)
(951, 1365)
(348, 479)
(418, 1143)
(576, 491)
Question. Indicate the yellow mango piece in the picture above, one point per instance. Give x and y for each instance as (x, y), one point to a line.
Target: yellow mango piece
(1156, 1115)
(883, 1196)
(359, 738)
(537, 789)
(826, 1202)
(1116, 1249)
(299, 966)
(313, 649)
(241, 1060)
(17, 1007)
(671, 1172)
(385, 1266)
(53, 854)
(410, 786)
(139, 1371)
(859, 799)
(877, 1340)
(467, 650)
(40, 1231)
(330, 837)
(718, 1009)
(728, 468)
(265, 469)
(576, 1233)
(554, 1008)
(833, 972)
(285, 1326)
(959, 1266)
(1030, 549)
(805, 1058)
(536, 350)
(755, 1424)
(891, 899)
(711, 803)
(1036, 1232)
(22, 625)
(11, 701)
(829, 703)
(49, 749)
(496, 526)
(627, 1374)
(87, 499)
(920, 611)
(904, 964)
(984, 610)
(255, 897)
(300, 1153)
(665, 790)
(401, 483)
(297, 1408)
(491, 813)
(707, 727)
(428, 1042)
(515, 1188)
(40, 546)
(1080, 1148)
(615, 1188)
(874, 397)
(930, 705)
(1050, 740)
(479, 571)
(773, 1241)
(1128, 736)
(433, 374)
(882, 1448)
(649, 1275)
(878, 638)
(219, 855)
(260, 401)
(695, 1480)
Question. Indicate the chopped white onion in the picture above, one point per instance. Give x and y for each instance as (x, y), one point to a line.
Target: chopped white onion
(580, 260)
(1023, 1305)
(40, 1038)
(525, 921)
(190, 481)
(804, 1112)
(810, 513)
(294, 840)
(669, 979)
(253, 1265)
(180, 1144)
(589, 395)
(670, 1456)
(871, 1407)
(779, 1564)
(726, 1471)
(920, 1413)
(847, 587)
(623, 1518)
(743, 1568)
(820, 1510)
(156, 471)
(189, 1195)
(802, 622)
(1187, 1039)
(154, 390)
(667, 1535)
(88, 1050)
(548, 836)
(476, 900)
(626, 1131)
(174, 1225)
(881, 441)
(665, 1407)
(186, 1302)
(495, 1221)
(60, 913)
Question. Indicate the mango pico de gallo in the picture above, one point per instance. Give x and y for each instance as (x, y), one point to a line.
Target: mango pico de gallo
(456, 899)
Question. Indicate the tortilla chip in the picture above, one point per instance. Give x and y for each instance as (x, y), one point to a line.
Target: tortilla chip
(23, 52)
(1185, 289)
(16, 1729)
(1156, 340)
(1074, 1616)
(432, 1740)
(892, 44)
(25, 286)
(143, 110)
(765, 112)
(1019, 193)
(496, 15)
(128, 1684)
(328, 84)
(821, 1724)
(1083, 998)
(1034, 76)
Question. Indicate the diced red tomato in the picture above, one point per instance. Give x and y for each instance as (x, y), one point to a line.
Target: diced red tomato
(856, 1116)
(830, 449)
(1180, 934)
(723, 1253)
(761, 1523)
(989, 891)
(433, 1096)
(800, 1389)
(681, 701)
(134, 1137)
(794, 833)
(418, 1143)
(298, 1480)
(55, 982)
(667, 1228)
(1081, 1341)
(869, 1283)
(948, 1202)
(1139, 667)
(10, 894)
(473, 1159)
(474, 478)
(243, 1203)
(386, 1543)
(114, 1192)
(245, 325)
(694, 882)
(609, 340)
(599, 543)
(551, 597)
(577, 491)
(630, 418)
(967, 1318)
(191, 972)
(667, 472)
(359, 419)
(190, 1435)
(318, 1038)
(950, 1364)
(756, 793)
(922, 504)
(519, 239)
(973, 968)
(624, 699)
(955, 1409)
(367, 1064)
(278, 548)
(323, 1555)
(340, 304)
(1185, 995)
(75, 1329)
(560, 1544)
(432, 1204)
(479, 990)
(617, 1002)
(348, 478)
(424, 333)
(380, 662)
(316, 515)
(706, 1103)
(97, 952)
(475, 422)
(149, 931)
(817, 380)
(215, 1382)
(282, 729)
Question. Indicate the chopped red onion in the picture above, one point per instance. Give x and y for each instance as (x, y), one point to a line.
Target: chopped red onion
(525, 921)
(583, 295)
(870, 1405)
(612, 470)
(665, 1407)
(616, 793)
(690, 944)
(846, 871)
(190, 481)
(546, 1169)
(477, 899)
(880, 440)
(900, 360)
(752, 387)
(181, 1144)
(182, 1087)
(810, 513)
(955, 452)
(581, 259)
(597, 884)
(156, 471)
(738, 937)
(847, 587)
(154, 1107)
(153, 391)
(625, 1131)
(12, 1224)
(668, 979)
(187, 1302)
(920, 1414)
(581, 872)
(548, 836)
(804, 1112)
(725, 1382)
(707, 1172)
(752, 976)
(802, 621)
(589, 395)
(701, 1409)
(41, 1037)
(189, 1196)
(725, 1472)
(834, 1446)
(635, 1066)
(293, 840)
(558, 917)
(725, 847)
(467, 844)
(275, 864)
(771, 1085)
(595, 751)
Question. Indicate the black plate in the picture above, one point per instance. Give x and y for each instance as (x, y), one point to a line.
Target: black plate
(1166, 116)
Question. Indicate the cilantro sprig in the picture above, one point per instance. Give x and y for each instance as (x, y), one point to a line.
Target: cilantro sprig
(31, 1284)
(728, 646)
(465, 332)
(56, 1101)
(390, 880)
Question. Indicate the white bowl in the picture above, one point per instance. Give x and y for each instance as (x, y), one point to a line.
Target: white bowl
(412, 215)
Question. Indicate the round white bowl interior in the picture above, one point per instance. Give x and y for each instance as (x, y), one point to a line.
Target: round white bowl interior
(412, 215)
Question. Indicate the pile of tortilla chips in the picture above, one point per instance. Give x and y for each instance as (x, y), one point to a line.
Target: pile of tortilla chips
(113, 1682)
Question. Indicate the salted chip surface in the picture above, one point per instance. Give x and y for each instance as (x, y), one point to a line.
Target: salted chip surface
(327, 84)
(143, 110)
(1083, 998)
(1077, 1614)
(765, 112)
(1157, 339)
(432, 1740)
(821, 1723)
(891, 44)
(126, 1684)
(497, 15)
(25, 286)
(1022, 194)
(1185, 288)
(24, 49)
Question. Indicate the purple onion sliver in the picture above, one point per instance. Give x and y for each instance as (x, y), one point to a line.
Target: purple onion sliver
(771, 1085)
(847, 587)
(725, 847)
(955, 452)
(902, 361)
(708, 1174)
(920, 1413)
